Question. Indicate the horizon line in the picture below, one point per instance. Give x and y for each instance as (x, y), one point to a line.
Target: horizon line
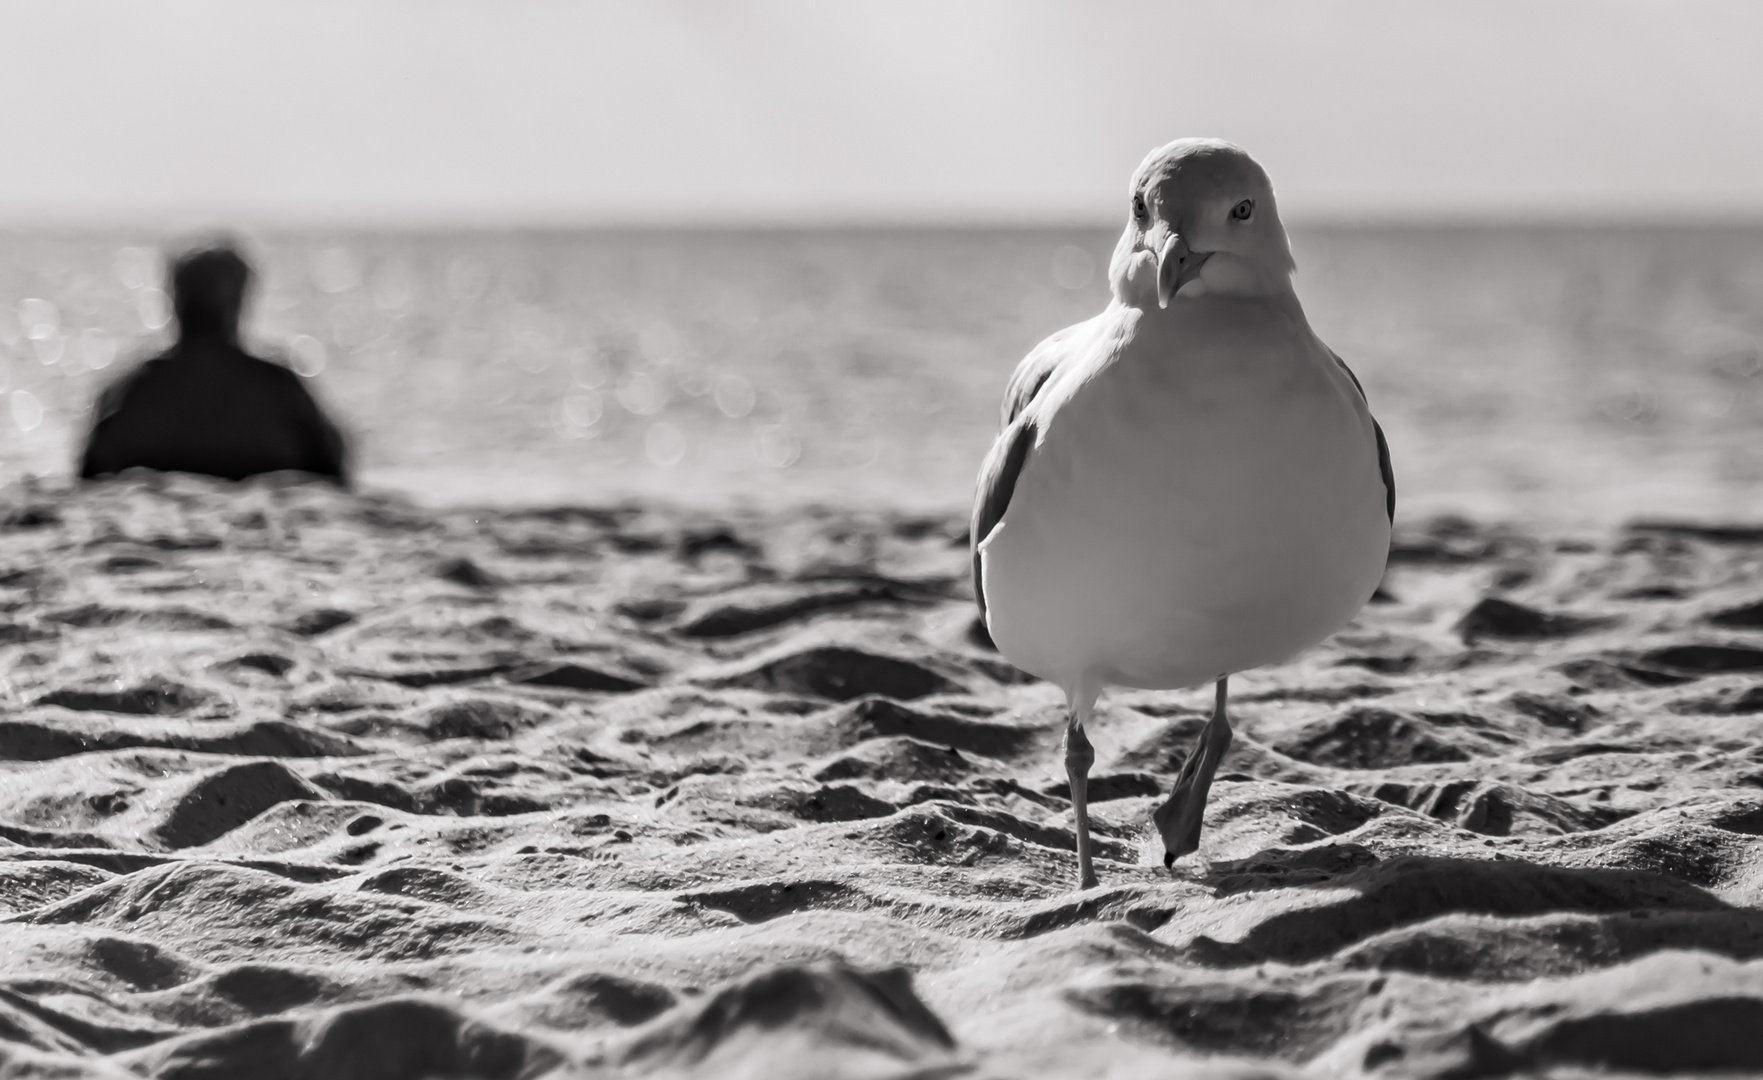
(214, 223)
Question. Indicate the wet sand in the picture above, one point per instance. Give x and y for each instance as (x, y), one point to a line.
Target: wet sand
(297, 783)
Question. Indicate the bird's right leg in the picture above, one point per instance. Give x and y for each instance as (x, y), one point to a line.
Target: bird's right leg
(1178, 820)
(1079, 756)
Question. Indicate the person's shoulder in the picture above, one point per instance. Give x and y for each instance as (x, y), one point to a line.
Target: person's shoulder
(271, 367)
(144, 370)
(147, 366)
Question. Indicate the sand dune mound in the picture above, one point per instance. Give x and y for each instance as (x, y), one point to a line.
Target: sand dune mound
(798, 1022)
(404, 1039)
(630, 791)
(843, 672)
(227, 798)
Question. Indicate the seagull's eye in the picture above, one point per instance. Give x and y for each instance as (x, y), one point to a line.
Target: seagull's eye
(1242, 210)
(1138, 208)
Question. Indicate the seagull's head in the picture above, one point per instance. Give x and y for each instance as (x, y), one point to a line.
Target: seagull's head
(1200, 219)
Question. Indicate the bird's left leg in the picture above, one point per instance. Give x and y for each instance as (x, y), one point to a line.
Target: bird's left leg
(1079, 756)
(1178, 820)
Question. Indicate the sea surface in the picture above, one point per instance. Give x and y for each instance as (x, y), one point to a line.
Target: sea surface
(1546, 373)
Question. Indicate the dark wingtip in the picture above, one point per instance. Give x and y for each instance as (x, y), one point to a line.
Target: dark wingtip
(1383, 446)
(997, 483)
(1169, 860)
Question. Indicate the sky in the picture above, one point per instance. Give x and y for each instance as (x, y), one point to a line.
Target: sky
(682, 112)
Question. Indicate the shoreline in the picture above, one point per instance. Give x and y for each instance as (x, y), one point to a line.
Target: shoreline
(507, 491)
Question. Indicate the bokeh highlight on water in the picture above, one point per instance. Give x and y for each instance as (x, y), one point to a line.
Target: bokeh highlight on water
(1543, 372)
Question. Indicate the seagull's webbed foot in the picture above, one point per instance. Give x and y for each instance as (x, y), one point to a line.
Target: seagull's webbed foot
(1178, 820)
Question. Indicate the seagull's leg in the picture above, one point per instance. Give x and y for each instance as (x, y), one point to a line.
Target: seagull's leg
(1178, 820)
(1079, 756)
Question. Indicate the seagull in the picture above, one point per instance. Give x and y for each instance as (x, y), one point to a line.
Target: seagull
(1188, 485)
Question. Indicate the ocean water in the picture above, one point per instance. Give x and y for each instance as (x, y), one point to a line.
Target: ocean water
(1522, 371)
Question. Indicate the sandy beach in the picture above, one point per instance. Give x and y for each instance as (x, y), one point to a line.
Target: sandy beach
(621, 707)
(301, 783)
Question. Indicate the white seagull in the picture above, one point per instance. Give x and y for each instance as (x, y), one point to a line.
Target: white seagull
(1189, 484)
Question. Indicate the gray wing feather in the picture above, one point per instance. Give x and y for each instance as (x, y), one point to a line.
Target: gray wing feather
(1034, 371)
(997, 482)
(1383, 447)
(997, 476)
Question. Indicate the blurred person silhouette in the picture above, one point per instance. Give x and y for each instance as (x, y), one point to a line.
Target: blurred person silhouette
(206, 405)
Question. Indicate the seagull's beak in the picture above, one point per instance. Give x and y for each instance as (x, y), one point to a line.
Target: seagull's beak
(1177, 265)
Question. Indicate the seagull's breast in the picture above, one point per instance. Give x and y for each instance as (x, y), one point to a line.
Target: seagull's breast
(1204, 500)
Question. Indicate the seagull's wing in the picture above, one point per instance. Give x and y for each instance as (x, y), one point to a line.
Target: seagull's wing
(1383, 448)
(997, 482)
(1003, 464)
(1040, 363)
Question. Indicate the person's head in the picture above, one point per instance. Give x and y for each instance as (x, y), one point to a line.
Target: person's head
(208, 287)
